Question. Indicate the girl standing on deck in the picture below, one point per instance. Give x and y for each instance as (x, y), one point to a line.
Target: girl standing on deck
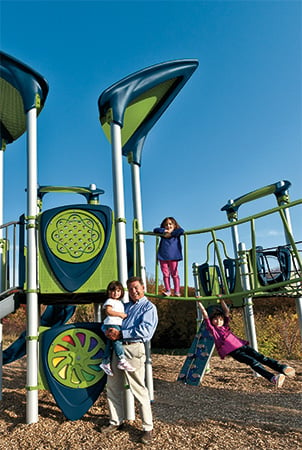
(169, 253)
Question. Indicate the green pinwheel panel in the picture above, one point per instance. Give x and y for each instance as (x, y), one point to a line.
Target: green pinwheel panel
(74, 357)
(70, 360)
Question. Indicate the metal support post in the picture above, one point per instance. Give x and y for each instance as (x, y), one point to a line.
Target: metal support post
(284, 199)
(248, 304)
(119, 204)
(121, 247)
(32, 296)
(138, 215)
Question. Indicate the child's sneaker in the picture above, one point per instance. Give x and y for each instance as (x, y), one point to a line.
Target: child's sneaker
(289, 372)
(278, 380)
(167, 293)
(177, 294)
(124, 365)
(107, 369)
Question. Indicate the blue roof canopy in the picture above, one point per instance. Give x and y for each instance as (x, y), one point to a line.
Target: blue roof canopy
(137, 101)
(22, 89)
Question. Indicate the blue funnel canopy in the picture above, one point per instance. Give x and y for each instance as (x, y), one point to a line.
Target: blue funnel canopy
(137, 101)
(21, 90)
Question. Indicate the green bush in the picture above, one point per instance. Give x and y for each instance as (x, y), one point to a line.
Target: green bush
(83, 313)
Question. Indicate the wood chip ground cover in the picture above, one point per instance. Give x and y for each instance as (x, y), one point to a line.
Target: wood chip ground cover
(231, 409)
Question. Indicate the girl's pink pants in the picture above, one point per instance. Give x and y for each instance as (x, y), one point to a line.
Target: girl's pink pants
(169, 269)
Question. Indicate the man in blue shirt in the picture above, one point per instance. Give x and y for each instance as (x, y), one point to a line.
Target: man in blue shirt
(137, 328)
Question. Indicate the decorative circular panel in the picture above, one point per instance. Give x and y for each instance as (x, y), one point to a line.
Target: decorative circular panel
(74, 357)
(75, 235)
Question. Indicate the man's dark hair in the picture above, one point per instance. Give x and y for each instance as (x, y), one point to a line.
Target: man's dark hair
(131, 279)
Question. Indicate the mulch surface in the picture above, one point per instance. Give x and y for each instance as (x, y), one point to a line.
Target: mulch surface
(231, 409)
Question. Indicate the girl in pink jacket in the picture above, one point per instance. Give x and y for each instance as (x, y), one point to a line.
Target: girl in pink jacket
(228, 344)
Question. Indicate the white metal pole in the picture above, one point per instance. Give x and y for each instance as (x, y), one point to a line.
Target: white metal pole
(248, 305)
(235, 238)
(97, 312)
(121, 247)
(234, 230)
(287, 214)
(247, 301)
(138, 215)
(119, 203)
(32, 296)
(298, 300)
(287, 240)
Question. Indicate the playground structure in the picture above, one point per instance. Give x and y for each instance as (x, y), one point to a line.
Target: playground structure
(68, 255)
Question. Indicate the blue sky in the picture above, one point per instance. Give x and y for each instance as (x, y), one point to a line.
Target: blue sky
(234, 127)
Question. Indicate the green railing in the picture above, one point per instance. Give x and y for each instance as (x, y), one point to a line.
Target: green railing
(291, 287)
